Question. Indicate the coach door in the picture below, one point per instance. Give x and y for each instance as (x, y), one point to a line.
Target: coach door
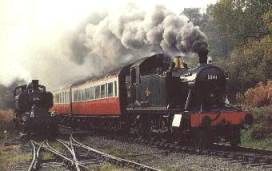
(133, 83)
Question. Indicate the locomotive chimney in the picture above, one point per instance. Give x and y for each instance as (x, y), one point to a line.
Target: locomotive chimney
(202, 53)
(35, 84)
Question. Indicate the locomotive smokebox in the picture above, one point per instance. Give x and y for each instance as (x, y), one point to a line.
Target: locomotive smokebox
(202, 53)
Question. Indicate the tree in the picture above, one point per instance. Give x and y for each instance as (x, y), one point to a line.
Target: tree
(6, 94)
(239, 20)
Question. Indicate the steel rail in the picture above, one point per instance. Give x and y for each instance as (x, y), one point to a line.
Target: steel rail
(34, 156)
(114, 159)
(35, 159)
(76, 163)
(51, 149)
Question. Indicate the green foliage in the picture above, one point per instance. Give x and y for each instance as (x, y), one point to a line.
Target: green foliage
(238, 20)
(247, 140)
(259, 135)
(239, 35)
(262, 123)
(250, 64)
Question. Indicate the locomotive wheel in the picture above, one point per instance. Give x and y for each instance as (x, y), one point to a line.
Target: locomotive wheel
(235, 138)
(142, 127)
(201, 138)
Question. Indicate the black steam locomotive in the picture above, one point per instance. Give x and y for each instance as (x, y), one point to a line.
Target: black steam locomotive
(32, 104)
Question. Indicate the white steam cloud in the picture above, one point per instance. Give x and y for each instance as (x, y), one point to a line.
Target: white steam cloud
(132, 33)
(105, 41)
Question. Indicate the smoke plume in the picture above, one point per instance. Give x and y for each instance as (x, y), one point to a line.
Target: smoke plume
(107, 40)
(132, 33)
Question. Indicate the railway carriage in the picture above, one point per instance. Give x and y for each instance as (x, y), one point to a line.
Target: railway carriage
(97, 97)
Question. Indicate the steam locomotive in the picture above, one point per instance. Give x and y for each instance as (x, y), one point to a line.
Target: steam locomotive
(156, 97)
(32, 104)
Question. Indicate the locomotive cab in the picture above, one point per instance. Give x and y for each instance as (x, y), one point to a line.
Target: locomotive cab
(154, 84)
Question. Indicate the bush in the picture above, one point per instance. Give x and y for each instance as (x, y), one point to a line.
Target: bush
(6, 124)
(6, 116)
(259, 96)
(262, 127)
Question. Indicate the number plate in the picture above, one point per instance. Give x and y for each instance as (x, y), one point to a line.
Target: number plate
(176, 120)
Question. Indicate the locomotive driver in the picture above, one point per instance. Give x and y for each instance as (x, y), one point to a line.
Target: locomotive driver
(179, 63)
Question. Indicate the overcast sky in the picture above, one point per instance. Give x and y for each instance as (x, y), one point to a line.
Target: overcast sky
(24, 23)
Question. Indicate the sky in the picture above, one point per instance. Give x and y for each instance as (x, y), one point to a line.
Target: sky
(28, 25)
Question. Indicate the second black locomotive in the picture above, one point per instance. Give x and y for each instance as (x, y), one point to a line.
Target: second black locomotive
(32, 104)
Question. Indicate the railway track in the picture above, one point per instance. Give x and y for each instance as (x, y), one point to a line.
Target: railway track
(78, 156)
(35, 156)
(246, 156)
(243, 155)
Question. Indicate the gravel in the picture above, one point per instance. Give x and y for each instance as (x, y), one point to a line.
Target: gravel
(165, 160)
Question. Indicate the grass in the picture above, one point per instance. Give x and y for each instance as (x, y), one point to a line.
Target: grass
(10, 155)
(120, 152)
(108, 167)
(259, 135)
(249, 141)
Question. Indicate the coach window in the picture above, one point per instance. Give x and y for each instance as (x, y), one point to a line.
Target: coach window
(77, 95)
(115, 88)
(103, 91)
(81, 95)
(97, 92)
(86, 94)
(61, 97)
(56, 98)
(90, 94)
(110, 89)
(91, 91)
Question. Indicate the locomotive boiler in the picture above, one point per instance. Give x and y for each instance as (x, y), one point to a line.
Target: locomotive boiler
(156, 96)
(32, 104)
